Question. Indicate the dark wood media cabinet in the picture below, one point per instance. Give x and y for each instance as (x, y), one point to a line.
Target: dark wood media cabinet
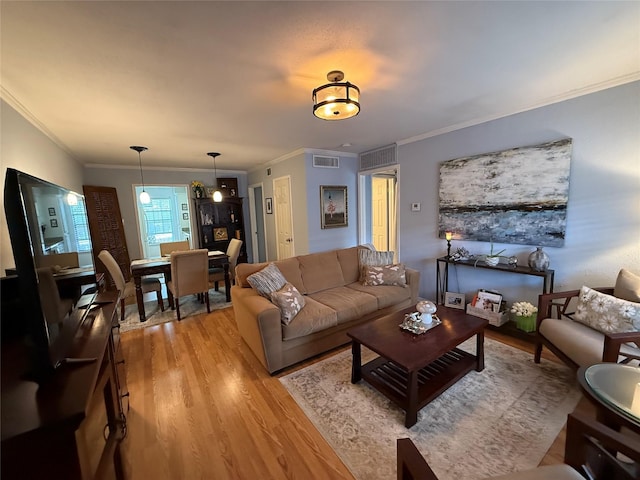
(71, 426)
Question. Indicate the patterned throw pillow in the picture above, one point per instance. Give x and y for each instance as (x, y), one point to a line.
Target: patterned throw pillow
(606, 313)
(267, 280)
(289, 300)
(372, 258)
(385, 275)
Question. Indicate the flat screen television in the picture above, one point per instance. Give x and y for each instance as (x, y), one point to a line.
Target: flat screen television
(43, 220)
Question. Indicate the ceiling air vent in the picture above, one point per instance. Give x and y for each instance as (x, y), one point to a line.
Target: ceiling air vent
(380, 157)
(320, 161)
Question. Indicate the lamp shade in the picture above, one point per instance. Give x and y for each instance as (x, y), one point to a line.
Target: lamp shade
(337, 100)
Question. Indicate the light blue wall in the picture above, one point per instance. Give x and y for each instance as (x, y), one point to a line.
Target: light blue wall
(340, 237)
(603, 219)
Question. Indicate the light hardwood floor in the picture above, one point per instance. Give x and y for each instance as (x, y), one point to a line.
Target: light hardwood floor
(203, 407)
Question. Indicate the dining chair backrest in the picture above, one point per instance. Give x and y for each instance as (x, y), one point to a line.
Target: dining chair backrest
(233, 251)
(114, 269)
(55, 308)
(190, 272)
(69, 259)
(168, 247)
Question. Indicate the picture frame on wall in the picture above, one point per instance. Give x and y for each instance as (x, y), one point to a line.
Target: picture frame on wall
(454, 300)
(268, 205)
(52, 212)
(185, 216)
(185, 207)
(333, 206)
(54, 222)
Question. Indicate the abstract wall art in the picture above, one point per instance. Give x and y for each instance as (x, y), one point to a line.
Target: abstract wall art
(516, 196)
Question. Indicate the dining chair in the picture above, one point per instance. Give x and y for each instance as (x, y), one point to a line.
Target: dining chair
(217, 274)
(128, 289)
(189, 276)
(168, 247)
(54, 307)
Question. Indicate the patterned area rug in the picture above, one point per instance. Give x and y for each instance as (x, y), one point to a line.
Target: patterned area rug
(189, 306)
(493, 422)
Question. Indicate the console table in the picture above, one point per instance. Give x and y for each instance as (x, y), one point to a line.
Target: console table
(442, 274)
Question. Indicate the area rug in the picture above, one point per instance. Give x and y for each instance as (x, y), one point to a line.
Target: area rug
(493, 422)
(189, 306)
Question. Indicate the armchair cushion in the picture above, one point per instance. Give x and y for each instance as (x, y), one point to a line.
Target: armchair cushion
(627, 286)
(607, 313)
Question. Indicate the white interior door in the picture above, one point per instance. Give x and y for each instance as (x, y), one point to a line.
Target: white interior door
(379, 214)
(284, 217)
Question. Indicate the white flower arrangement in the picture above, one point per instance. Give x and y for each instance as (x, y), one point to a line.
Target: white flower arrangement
(523, 309)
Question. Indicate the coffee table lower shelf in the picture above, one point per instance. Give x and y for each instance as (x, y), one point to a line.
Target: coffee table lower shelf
(394, 382)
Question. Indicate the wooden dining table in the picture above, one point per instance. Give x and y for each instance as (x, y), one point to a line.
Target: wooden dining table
(154, 266)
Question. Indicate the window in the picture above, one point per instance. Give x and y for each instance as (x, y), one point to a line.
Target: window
(158, 220)
(80, 226)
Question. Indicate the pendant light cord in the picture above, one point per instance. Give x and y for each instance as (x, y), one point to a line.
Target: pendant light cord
(141, 176)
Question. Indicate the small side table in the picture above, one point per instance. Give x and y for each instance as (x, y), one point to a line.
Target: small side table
(615, 390)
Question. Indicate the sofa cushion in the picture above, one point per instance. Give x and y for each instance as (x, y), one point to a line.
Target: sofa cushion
(348, 303)
(290, 268)
(627, 286)
(320, 271)
(387, 296)
(289, 300)
(244, 270)
(385, 275)
(314, 317)
(372, 258)
(607, 313)
(348, 259)
(580, 343)
(267, 280)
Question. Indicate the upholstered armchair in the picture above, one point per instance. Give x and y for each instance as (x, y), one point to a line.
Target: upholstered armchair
(189, 276)
(590, 446)
(580, 337)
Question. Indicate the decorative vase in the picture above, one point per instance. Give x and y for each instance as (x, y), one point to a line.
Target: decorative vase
(492, 261)
(539, 260)
(527, 324)
(198, 193)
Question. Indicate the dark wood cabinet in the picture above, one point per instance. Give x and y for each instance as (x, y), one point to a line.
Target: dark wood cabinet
(71, 426)
(219, 222)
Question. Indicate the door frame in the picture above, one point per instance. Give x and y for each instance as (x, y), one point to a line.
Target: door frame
(254, 226)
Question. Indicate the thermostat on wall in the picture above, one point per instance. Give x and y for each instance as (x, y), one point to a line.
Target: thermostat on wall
(415, 207)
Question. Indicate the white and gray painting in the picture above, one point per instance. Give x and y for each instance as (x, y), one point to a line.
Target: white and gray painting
(516, 196)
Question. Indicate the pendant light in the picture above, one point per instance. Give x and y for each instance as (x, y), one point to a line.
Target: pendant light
(144, 196)
(337, 100)
(217, 194)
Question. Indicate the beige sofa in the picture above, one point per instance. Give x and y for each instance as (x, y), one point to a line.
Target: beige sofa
(335, 302)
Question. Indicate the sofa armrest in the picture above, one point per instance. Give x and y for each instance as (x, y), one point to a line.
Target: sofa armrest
(258, 322)
(613, 342)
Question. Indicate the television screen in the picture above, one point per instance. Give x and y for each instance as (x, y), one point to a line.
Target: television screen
(52, 250)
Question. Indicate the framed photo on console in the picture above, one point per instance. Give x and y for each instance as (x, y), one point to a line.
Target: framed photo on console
(454, 300)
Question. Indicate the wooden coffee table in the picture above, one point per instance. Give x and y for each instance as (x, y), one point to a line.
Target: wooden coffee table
(414, 369)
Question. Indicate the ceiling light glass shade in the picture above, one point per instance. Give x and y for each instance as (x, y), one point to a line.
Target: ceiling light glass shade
(337, 100)
(217, 196)
(72, 199)
(144, 198)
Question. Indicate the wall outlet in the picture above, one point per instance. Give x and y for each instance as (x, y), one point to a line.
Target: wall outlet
(415, 207)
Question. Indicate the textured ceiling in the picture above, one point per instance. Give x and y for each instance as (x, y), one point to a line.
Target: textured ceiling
(184, 78)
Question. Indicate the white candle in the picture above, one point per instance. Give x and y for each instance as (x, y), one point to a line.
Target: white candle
(635, 403)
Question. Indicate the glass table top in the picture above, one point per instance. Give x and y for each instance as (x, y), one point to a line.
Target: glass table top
(618, 386)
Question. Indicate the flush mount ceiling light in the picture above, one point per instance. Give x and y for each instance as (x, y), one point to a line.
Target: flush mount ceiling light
(337, 100)
(217, 194)
(144, 196)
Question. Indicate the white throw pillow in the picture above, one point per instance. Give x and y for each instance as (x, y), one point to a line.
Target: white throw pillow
(607, 313)
(290, 301)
